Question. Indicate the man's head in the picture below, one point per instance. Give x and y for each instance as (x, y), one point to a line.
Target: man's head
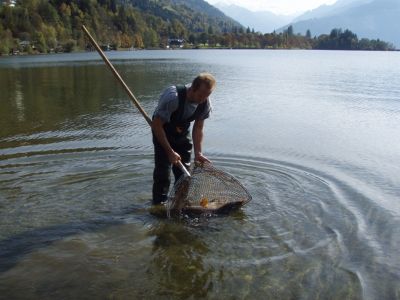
(202, 86)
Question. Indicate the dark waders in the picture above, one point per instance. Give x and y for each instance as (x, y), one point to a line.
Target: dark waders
(162, 169)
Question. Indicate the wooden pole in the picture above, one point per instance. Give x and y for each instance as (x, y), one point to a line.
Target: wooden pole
(126, 88)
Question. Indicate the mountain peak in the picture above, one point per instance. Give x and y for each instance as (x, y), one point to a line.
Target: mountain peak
(373, 19)
(263, 21)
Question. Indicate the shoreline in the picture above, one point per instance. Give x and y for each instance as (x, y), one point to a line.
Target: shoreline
(183, 49)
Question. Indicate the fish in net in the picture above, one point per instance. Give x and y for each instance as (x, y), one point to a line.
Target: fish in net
(207, 190)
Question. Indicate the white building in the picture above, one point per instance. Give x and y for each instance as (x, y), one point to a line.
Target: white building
(10, 3)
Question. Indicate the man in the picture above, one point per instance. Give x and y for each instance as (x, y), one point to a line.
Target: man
(177, 108)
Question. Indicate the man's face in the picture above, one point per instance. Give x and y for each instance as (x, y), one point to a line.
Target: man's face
(201, 94)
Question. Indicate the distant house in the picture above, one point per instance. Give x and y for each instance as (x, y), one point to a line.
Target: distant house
(108, 47)
(10, 3)
(24, 44)
(105, 47)
(175, 43)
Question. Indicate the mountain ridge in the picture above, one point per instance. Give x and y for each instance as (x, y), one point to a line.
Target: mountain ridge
(263, 21)
(373, 19)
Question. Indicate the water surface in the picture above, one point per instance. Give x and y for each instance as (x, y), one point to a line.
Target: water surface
(313, 136)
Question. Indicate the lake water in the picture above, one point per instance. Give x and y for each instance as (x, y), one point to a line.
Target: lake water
(312, 135)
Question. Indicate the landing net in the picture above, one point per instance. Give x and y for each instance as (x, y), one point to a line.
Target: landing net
(208, 190)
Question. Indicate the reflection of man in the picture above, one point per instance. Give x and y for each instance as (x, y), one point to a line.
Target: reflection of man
(177, 267)
(177, 108)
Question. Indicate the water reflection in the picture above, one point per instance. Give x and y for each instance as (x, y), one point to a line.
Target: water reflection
(19, 101)
(179, 262)
(15, 248)
(44, 98)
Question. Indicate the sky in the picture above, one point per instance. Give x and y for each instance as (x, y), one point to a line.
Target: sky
(285, 7)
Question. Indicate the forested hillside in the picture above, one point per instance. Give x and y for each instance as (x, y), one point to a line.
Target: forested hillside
(56, 24)
(42, 26)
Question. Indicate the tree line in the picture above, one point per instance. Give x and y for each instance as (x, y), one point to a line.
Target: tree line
(338, 39)
(41, 26)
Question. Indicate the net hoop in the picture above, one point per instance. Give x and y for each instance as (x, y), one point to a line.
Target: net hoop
(207, 191)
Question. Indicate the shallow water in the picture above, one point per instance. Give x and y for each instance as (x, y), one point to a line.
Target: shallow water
(313, 136)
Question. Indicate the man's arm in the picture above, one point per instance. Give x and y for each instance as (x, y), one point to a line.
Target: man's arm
(197, 135)
(158, 130)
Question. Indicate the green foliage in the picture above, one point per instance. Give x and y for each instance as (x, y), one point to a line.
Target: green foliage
(69, 45)
(48, 12)
(40, 41)
(290, 30)
(55, 25)
(7, 42)
(347, 40)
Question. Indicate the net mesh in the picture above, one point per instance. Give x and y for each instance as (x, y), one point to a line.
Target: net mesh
(207, 190)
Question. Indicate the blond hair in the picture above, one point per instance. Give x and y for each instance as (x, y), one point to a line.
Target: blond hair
(204, 78)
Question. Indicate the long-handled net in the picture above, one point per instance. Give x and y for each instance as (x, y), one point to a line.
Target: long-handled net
(207, 190)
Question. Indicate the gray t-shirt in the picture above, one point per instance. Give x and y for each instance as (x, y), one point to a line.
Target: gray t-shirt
(169, 103)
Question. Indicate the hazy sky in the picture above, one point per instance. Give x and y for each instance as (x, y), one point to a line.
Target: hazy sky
(276, 6)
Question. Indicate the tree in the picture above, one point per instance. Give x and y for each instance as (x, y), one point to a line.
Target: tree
(364, 44)
(138, 41)
(290, 30)
(6, 40)
(50, 36)
(48, 12)
(192, 39)
(348, 40)
(150, 38)
(308, 34)
(7, 17)
(69, 45)
(40, 42)
(203, 39)
(125, 41)
(335, 33)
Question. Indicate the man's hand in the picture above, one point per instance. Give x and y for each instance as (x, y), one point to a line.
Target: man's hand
(201, 158)
(197, 135)
(174, 157)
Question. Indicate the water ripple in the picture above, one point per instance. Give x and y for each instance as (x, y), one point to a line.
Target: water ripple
(303, 220)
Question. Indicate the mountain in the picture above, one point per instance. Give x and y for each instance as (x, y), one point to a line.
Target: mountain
(188, 12)
(262, 21)
(373, 19)
(328, 10)
(55, 25)
(201, 7)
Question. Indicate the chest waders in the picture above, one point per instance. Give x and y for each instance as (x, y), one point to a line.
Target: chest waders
(177, 132)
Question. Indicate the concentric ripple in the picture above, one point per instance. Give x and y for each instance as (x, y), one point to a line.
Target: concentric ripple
(302, 230)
